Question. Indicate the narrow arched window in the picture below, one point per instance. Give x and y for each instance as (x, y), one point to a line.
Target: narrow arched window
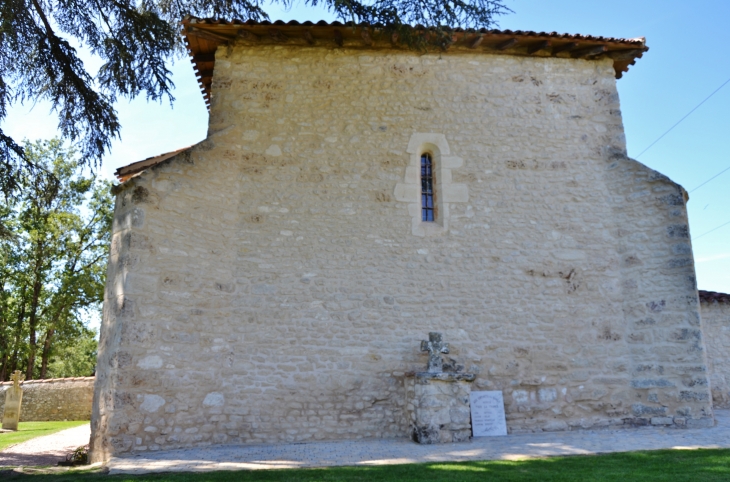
(427, 211)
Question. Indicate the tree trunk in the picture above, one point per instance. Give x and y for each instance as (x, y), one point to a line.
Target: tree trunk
(31, 348)
(33, 317)
(4, 367)
(4, 350)
(31, 351)
(3, 335)
(46, 354)
(4, 360)
(18, 333)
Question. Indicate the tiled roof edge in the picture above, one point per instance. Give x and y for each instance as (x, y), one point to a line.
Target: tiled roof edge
(322, 23)
(713, 296)
(50, 380)
(130, 170)
(203, 35)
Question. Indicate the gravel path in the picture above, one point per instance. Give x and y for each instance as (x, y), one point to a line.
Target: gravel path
(403, 451)
(46, 450)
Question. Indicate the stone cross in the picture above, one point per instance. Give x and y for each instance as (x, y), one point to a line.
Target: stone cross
(13, 397)
(16, 378)
(435, 347)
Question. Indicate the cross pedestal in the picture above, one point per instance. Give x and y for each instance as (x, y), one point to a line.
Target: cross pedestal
(13, 398)
(438, 407)
(437, 402)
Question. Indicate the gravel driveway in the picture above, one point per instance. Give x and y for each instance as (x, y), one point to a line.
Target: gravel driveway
(46, 450)
(403, 451)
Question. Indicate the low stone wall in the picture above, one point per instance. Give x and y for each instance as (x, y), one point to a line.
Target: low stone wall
(54, 399)
(715, 309)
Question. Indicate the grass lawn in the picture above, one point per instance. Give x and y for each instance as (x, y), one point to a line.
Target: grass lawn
(664, 465)
(29, 430)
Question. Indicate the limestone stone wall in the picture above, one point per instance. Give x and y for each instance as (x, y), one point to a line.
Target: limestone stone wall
(272, 285)
(53, 399)
(716, 322)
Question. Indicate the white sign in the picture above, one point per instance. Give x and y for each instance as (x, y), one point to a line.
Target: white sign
(487, 414)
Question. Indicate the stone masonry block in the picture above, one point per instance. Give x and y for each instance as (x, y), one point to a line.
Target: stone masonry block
(439, 405)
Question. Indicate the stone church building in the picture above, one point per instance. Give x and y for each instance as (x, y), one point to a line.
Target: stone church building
(273, 282)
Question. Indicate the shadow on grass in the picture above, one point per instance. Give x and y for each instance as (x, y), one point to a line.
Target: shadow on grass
(663, 465)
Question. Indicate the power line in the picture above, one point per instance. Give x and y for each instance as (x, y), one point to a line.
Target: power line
(711, 230)
(683, 118)
(710, 179)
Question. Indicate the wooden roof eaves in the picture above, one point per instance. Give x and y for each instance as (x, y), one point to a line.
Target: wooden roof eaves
(713, 297)
(129, 171)
(203, 36)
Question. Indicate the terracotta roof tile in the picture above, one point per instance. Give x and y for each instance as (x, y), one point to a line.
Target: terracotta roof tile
(323, 23)
(130, 170)
(713, 296)
(49, 380)
(204, 35)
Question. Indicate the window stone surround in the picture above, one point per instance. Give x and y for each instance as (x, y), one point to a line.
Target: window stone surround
(445, 190)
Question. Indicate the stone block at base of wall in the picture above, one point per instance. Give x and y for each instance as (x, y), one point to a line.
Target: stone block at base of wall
(438, 407)
(54, 399)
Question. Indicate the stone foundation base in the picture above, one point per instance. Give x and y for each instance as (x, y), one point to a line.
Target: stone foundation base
(671, 422)
(438, 407)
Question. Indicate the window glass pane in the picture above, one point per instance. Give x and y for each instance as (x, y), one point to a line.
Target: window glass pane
(427, 211)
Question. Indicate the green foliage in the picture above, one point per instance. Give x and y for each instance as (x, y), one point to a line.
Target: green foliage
(74, 355)
(134, 39)
(80, 456)
(52, 267)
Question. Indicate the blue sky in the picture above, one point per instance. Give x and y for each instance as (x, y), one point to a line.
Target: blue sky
(686, 63)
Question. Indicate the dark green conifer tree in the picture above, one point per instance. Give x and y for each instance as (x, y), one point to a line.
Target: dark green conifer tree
(135, 39)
